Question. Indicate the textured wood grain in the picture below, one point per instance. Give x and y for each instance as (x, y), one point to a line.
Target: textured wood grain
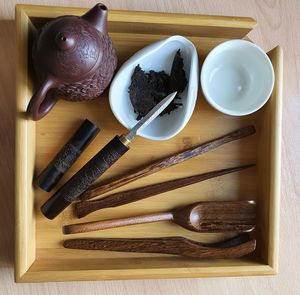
(169, 161)
(83, 178)
(118, 199)
(278, 23)
(171, 245)
(206, 217)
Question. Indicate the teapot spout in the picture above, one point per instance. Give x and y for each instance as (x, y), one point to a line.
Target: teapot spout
(97, 16)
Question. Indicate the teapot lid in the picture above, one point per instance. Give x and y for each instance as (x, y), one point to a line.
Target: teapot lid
(68, 48)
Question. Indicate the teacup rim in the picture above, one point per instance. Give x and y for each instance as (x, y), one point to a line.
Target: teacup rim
(234, 112)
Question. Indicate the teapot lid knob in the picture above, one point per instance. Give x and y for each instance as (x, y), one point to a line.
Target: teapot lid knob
(65, 41)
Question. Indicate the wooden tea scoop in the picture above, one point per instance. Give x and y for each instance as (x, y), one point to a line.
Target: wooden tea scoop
(168, 162)
(118, 199)
(221, 216)
(232, 248)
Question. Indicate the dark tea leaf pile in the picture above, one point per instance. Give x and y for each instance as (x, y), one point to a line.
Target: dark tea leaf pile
(148, 89)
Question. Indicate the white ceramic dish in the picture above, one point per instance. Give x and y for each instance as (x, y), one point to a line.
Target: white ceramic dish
(237, 77)
(157, 56)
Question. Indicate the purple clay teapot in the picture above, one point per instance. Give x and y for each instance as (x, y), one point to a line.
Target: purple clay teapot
(75, 59)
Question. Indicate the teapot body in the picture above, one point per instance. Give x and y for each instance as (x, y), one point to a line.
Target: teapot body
(90, 84)
(93, 85)
(74, 58)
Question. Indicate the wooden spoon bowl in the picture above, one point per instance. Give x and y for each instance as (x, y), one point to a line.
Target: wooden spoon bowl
(217, 216)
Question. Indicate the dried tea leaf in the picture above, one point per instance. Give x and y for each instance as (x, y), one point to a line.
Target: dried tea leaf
(178, 79)
(148, 89)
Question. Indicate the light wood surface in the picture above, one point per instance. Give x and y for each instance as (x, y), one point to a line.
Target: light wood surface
(31, 262)
(277, 24)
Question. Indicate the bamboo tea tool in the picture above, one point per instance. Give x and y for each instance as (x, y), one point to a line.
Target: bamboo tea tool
(118, 199)
(105, 158)
(211, 216)
(232, 248)
(168, 162)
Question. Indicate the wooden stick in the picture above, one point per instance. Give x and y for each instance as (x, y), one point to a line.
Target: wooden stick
(118, 199)
(232, 248)
(168, 162)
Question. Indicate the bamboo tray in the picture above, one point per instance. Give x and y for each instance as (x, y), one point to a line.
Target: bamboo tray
(40, 255)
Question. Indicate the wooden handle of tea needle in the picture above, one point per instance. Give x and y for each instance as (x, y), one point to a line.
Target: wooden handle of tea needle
(83, 179)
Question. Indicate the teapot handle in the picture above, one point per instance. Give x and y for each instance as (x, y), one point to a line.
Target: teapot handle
(41, 103)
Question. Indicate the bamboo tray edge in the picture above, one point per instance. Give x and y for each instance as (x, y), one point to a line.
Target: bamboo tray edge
(26, 267)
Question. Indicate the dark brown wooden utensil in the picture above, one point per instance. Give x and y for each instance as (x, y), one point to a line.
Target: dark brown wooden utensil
(168, 162)
(222, 216)
(233, 248)
(118, 199)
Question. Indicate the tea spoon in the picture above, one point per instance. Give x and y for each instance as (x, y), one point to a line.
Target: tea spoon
(212, 216)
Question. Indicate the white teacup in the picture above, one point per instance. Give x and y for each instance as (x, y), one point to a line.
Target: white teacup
(237, 77)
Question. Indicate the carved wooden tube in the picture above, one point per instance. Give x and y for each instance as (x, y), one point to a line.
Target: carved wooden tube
(118, 199)
(67, 156)
(79, 182)
(169, 161)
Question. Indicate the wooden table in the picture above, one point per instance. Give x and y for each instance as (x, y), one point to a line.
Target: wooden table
(278, 23)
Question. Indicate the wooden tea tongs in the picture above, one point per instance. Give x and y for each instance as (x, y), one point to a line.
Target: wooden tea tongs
(232, 248)
(172, 160)
(121, 198)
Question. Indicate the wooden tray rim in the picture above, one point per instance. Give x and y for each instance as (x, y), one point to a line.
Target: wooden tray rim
(24, 256)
